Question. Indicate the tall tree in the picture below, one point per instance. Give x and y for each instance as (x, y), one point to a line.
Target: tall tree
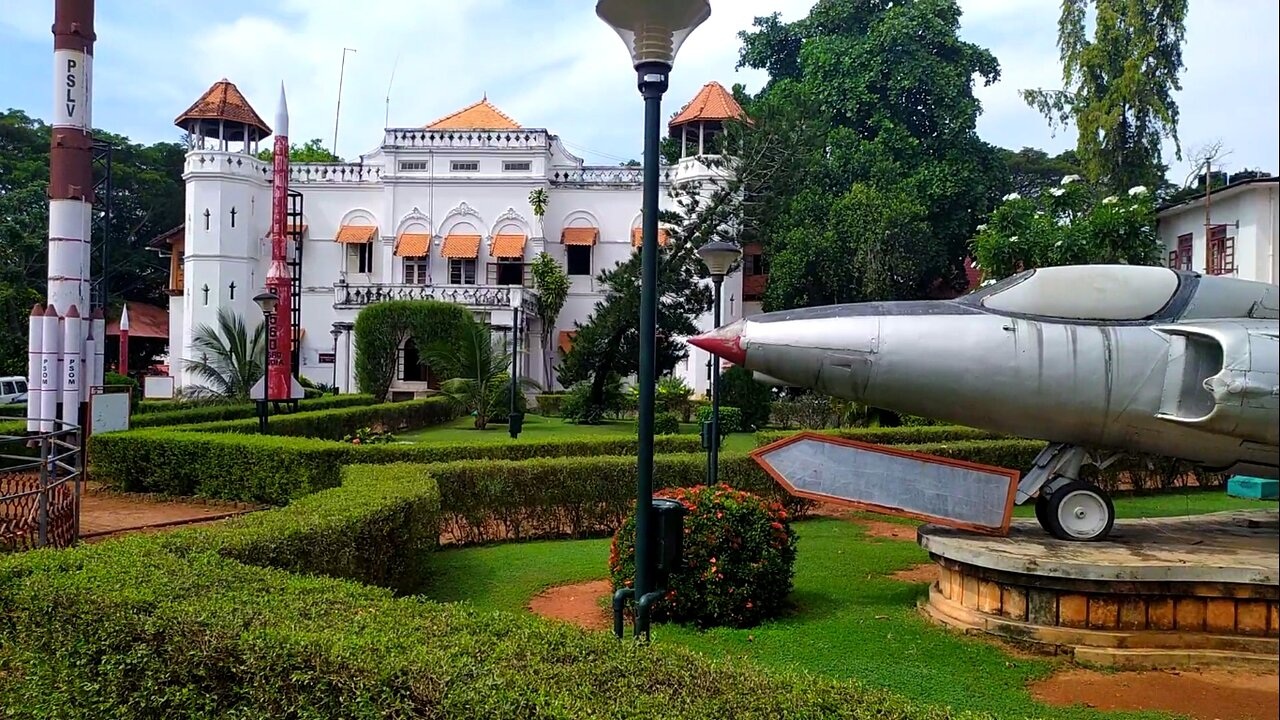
(147, 199)
(1118, 86)
(1032, 170)
(878, 95)
(552, 284)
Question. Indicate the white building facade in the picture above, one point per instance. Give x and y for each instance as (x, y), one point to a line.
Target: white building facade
(1231, 231)
(440, 212)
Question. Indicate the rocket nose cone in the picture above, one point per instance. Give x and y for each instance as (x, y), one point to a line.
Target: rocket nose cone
(724, 342)
(282, 114)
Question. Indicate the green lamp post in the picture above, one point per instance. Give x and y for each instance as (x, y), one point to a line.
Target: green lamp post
(653, 31)
(719, 257)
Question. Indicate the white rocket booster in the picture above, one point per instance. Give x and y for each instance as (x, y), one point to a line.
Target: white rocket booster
(72, 365)
(99, 330)
(90, 355)
(50, 382)
(35, 339)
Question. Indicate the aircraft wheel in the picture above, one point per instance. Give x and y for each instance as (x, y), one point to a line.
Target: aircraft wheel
(1042, 511)
(1079, 511)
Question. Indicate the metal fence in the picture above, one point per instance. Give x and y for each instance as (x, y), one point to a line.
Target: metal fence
(40, 485)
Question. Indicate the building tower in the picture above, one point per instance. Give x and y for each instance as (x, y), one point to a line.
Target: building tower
(699, 126)
(228, 205)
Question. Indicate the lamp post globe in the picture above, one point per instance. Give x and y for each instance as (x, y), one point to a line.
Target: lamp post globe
(718, 256)
(653, 31)
(267, 302)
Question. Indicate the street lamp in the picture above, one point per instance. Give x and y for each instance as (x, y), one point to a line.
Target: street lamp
(267, 302)
(653, 31)
(718, 256)
(335, 333)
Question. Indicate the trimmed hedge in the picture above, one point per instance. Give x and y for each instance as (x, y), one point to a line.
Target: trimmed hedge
(338, 423)
(126, 630)
(238, 411)
(890, 435)
(269, 469)
(549, 403)
(374, 528)
(13, 410)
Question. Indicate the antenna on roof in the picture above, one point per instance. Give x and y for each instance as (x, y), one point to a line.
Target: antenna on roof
(342, 71)
(386, 118)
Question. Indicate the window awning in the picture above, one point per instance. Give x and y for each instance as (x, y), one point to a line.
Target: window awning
(413, 245)
(461, 247)
(565, 341)
(579, 235)
(356, 234)
(508, 247)
(637, 236)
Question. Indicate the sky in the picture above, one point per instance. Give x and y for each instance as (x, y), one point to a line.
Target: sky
(552, 64)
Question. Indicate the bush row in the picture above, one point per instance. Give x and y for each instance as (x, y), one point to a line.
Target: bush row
(338, 423)
(236, 411)
(375, 527)
(273, 470)
(13, 410)
(889, 435)
(126, 630)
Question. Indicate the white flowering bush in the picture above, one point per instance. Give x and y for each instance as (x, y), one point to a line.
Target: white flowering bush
(1067, 225)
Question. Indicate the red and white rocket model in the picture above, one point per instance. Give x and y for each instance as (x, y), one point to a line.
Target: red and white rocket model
(62, 338)
(280, 382)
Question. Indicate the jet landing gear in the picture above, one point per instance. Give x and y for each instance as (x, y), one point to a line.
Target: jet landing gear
(1066, 507)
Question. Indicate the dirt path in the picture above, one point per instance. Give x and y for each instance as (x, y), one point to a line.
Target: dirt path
(578, 604)
(1216, 695)
(105, 514)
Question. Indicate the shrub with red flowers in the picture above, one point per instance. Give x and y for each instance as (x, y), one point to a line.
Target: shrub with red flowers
(737, 562)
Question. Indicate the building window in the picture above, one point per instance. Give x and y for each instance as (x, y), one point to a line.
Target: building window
(511, 166)
(462, 271)
(1220, 252)
(361, 257)
(413, 166)
(1180, 259)
(578, 259)
(509, 272)
(464, 166)
(754, 264)
(415, 271)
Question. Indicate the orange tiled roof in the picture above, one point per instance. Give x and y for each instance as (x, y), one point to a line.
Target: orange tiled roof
(507, 247)
(477, 116)
(579, 235)
(637, 236)
(565, 340)
(356, 233)
(712, 102)
(462, 247)
(413, 245)
(223, 101)
(145, 321)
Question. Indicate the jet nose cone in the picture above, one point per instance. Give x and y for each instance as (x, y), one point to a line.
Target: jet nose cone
(724, 342)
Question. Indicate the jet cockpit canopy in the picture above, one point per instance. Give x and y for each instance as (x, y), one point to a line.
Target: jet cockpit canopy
(1100, 293)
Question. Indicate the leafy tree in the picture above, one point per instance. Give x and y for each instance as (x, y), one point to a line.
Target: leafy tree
(147, 200)
(1068, 225)
(229, 359)
(1118, 86)
(739, 388)
(383, 328)
(879, 95)
(1032, 170)
(475, 370)
(312, 151)
(552, 284)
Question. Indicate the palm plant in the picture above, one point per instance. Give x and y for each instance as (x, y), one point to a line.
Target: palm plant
(231, 359)
(476, 370)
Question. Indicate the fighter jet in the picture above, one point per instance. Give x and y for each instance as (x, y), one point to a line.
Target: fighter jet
(1098, 360)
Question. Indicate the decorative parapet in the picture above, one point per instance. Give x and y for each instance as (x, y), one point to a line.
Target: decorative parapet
(333, 173)
(433, 139)
(488, 297)
(615, 175)
(222, 162)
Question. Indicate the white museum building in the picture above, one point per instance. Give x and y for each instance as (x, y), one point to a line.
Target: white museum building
(1229, 231)
(440, 211)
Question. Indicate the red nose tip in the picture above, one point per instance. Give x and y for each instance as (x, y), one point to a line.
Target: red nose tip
(725, 342)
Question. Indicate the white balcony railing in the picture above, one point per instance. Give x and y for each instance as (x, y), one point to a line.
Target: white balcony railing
(354, 295)
(423, 138)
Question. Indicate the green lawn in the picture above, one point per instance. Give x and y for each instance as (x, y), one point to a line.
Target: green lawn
(537, 427)
(850, 620)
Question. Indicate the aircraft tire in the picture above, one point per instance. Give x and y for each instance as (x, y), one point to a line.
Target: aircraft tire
(1080, 512)
(1042, 511)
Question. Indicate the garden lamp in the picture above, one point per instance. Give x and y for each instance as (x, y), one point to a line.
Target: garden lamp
(335, 333)
(718, 256)
(267, 303)
(653, 31)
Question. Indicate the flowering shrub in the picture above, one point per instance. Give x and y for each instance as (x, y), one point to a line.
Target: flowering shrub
(1067, 225)
(368, 436)
(737, 563)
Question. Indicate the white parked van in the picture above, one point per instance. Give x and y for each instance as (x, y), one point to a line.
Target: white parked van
(13, 389)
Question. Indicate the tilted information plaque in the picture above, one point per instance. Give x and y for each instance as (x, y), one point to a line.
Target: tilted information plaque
(893, 481)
